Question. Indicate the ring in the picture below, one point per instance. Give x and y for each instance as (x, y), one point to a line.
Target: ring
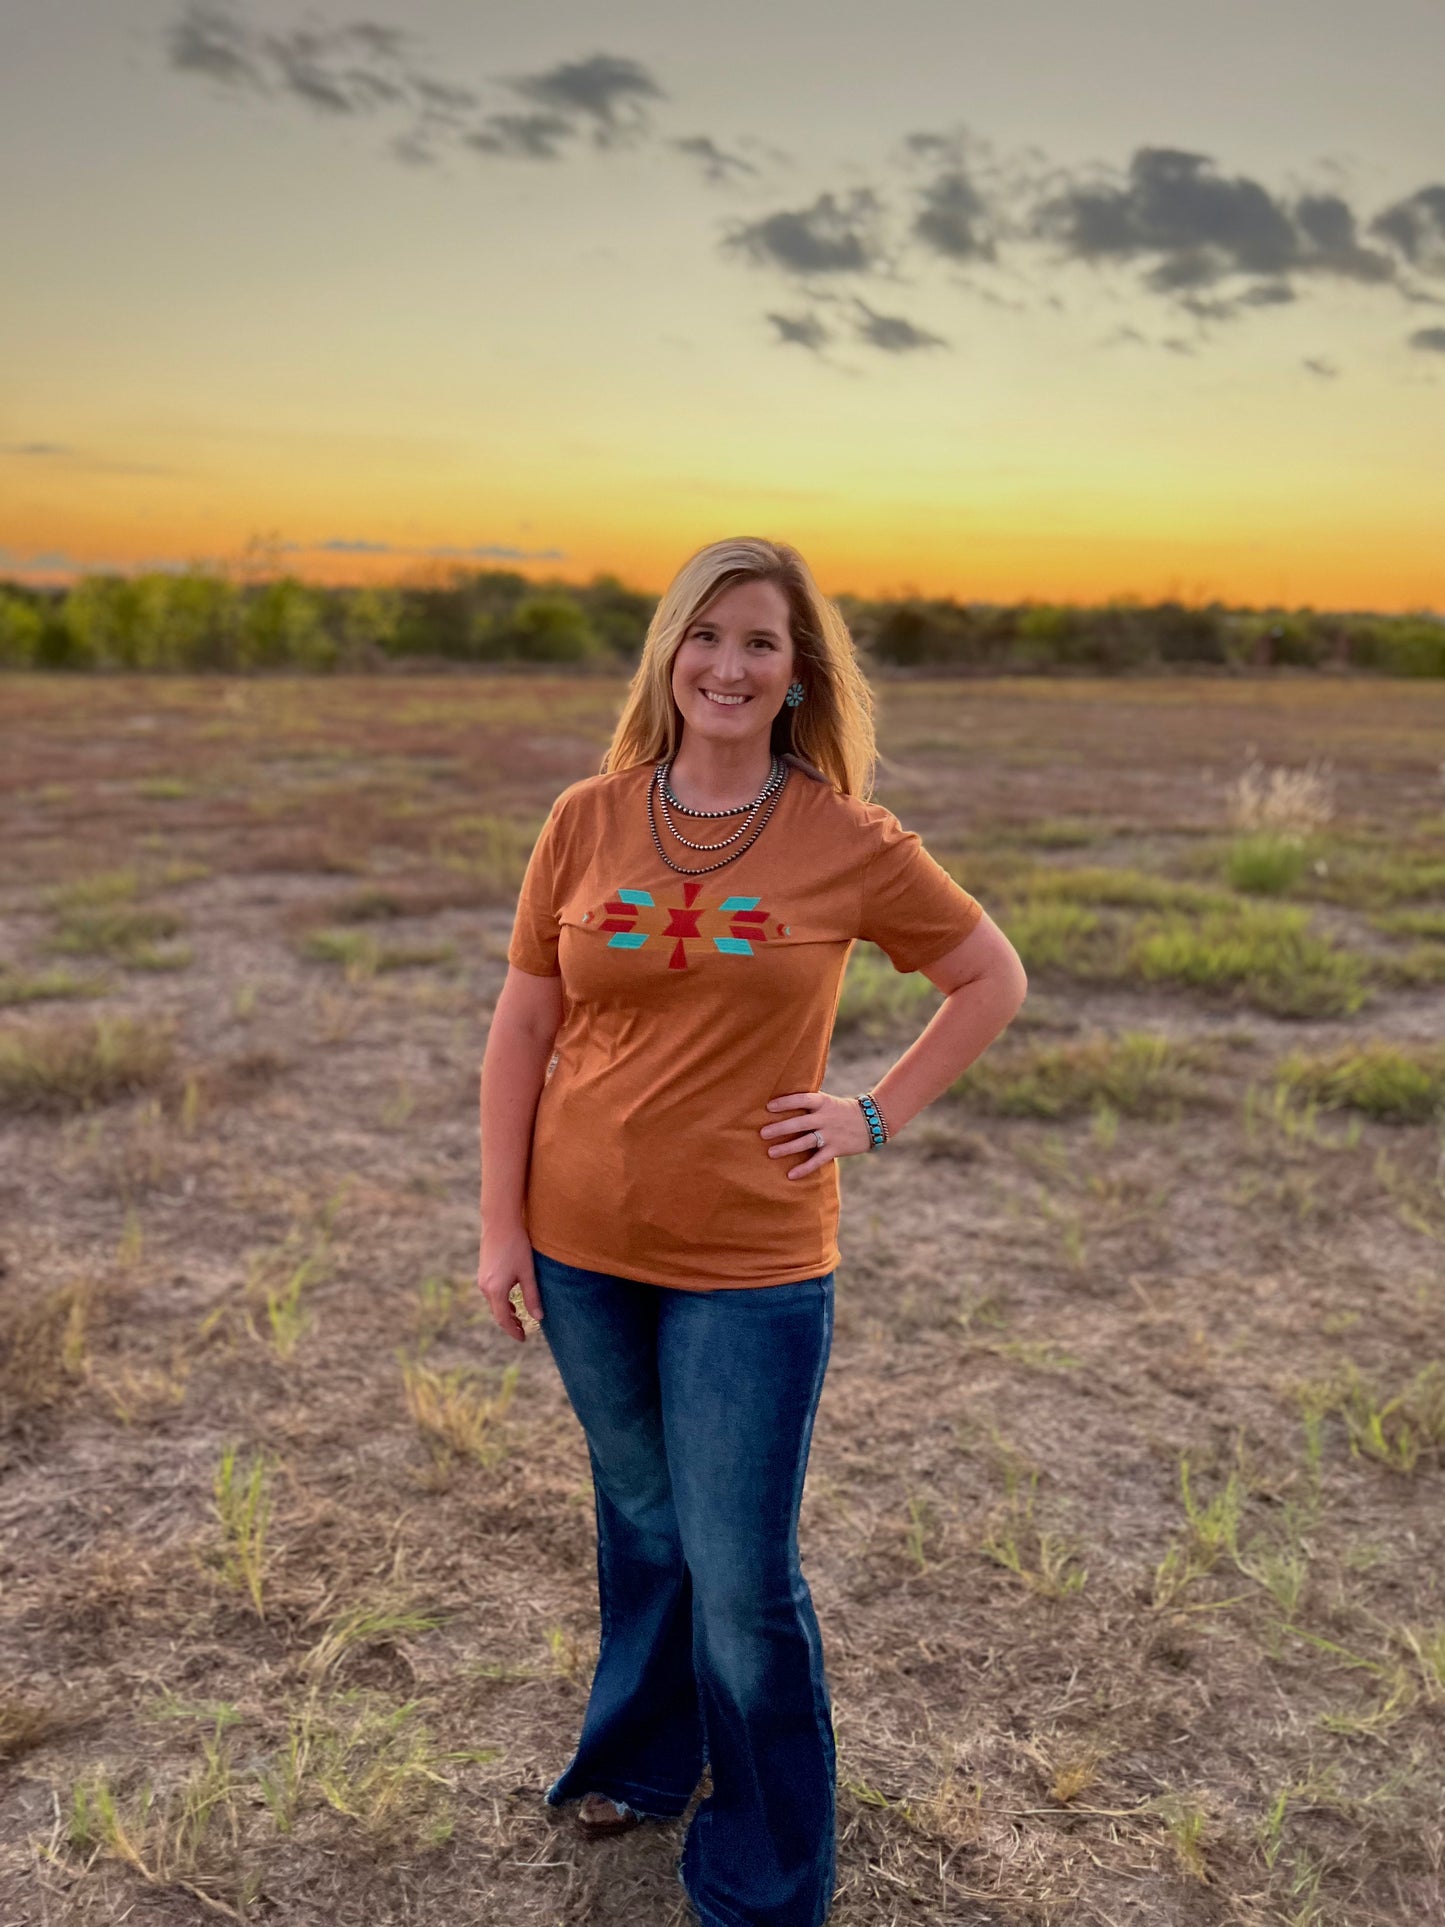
(818, 1139)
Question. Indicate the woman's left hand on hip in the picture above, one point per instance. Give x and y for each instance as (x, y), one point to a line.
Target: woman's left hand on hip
(840, 1119)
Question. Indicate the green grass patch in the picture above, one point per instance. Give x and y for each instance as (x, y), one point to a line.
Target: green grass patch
(1057, 833)
(876, 997)
(70, 1065)
(125, 933)
(1429, 924)
(163, 789)
(23, 987)
(361, 955)
(1391, 1082)
(1135, 1073)
(95, 890)
(1265, 864)
(1423, 963)
(1397, 1429)
(1121, 889)
(1265, 955)
(1373, 875)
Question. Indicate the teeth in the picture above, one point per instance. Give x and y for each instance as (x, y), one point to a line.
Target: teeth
(723, 699)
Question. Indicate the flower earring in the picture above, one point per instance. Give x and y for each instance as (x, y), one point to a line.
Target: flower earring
(795, 695)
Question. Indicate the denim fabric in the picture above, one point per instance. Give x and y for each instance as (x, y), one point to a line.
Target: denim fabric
(698, 1411)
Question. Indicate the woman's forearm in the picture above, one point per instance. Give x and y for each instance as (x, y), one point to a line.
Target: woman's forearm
(960, 1030)
(514, 1069)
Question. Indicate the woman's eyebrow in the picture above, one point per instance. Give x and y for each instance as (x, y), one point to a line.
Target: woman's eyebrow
(706, 622)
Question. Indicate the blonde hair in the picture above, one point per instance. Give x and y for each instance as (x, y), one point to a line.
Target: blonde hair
(832, 728)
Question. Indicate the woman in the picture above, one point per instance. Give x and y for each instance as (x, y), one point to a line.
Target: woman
(660, 1184)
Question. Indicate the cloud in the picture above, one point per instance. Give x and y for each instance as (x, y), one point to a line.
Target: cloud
(64, 455)
(364, 69)
(531, 137)
(830, 237)
(717, 165)
(1416, 226)
(1193, 227)
(605, 89)
(805, 330)
(1430, 340)
(364, 545)
(893, 333)
(955, 220)
(208, 40)
(1212, 246)
(1325, 369)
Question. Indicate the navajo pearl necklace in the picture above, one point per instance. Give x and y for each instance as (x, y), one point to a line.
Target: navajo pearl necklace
(770, 791)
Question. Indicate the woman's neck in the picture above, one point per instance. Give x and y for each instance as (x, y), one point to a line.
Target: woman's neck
(709, 776)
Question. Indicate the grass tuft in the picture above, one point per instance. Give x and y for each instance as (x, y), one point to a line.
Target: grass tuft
(1136, 1074)
(71, 1065)
(1391, 1082)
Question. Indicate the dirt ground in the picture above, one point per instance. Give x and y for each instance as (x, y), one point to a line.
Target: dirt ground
(1124, 1516)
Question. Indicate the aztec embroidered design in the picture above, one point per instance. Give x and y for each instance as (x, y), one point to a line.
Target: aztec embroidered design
(633, 916)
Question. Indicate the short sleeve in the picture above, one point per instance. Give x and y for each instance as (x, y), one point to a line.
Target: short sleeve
(536, 927)
(912, 908)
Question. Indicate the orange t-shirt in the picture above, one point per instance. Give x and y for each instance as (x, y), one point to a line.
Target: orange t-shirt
(688, 1002)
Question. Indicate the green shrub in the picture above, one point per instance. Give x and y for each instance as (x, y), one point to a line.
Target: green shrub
(21, 624)
(549, 627)
(1264, 864)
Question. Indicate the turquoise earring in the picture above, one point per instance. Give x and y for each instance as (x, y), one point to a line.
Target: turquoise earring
(795, 695)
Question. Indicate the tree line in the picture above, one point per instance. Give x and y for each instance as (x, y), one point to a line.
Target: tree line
(207, 619)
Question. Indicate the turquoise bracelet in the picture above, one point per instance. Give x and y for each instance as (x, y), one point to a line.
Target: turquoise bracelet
(877, 1127)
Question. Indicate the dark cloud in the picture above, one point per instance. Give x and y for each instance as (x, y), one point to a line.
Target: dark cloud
(1194, 227)
(1326, 370)
(1199, 224)
(830, 237)
(36, 448)
(806, 330)
(207, 40)
(954, 218)
(530, 137)
(717, 164)
(1215, 246)
(893, 333)
(610, 91)
(363, 68)
(1416, 226)
(1430, 340)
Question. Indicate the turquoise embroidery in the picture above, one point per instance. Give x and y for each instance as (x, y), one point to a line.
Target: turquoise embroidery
(749, 923)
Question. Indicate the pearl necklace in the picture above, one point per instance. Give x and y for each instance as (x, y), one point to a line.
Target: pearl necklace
(769, 793)
(665, 795)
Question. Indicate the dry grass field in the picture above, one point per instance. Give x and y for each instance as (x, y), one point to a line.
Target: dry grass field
(1126, 1514)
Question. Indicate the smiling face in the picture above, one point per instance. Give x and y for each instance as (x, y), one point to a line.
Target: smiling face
(733, 666)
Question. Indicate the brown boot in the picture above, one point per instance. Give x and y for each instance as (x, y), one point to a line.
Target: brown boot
(596, 1815)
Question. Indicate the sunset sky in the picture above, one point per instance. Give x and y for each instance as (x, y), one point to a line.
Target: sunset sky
(1059, 298)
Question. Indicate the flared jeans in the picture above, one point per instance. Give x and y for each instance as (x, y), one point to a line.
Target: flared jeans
(698, 1411)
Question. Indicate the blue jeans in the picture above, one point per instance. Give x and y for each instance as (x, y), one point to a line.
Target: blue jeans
(698, 1411)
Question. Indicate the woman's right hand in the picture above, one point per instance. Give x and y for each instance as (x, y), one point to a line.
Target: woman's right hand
(506, 1262)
